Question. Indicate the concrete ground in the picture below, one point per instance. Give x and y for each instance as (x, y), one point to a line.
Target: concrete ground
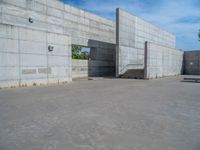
(105, 114)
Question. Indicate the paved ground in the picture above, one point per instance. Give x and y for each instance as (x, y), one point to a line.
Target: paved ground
(108, 114)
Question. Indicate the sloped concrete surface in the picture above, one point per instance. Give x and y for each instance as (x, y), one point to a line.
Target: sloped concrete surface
(105, 114)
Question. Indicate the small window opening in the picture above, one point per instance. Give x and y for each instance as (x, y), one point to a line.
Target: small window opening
(80, 52)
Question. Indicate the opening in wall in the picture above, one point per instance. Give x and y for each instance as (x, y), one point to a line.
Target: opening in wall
(93, 61)
(81, 52)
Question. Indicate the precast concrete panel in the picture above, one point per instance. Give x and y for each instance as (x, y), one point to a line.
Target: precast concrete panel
(131, 34)
(29, 27)
(55, 16)
(162, 61)
(26, 60)
(91, 68)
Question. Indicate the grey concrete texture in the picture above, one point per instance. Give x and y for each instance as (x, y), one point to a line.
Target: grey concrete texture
(131, 34)
(26, 60)
(106, 114)
(55, 16)
(26, 42)
(162, 61)
(192, 63)
(92, 68)
(29, 27)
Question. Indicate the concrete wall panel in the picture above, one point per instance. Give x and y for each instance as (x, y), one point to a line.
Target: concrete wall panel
(27, 43)
(33, 47)
(8, 74)
(8, 45)
(92, 68)
(59, 26)
(162, 61)
(54, 16)
(132, 33)
(33, 60)
(9, 59)
(19, 3)
(32, 35)
(26, 60)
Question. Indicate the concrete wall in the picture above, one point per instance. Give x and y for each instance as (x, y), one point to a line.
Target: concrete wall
(132, 32)
(80, 68)
(192, 62)
(29, 27)
(25, 59)
(162, 61)
(53, 23)
(92, 68)
(55, 16)
(85, 28)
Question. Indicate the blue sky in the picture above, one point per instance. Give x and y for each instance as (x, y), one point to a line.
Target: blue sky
(180, 17)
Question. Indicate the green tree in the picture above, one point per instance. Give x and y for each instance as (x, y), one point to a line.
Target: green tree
(76, 52)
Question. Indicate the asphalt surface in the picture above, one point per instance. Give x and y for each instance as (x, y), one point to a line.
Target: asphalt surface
(104, 114)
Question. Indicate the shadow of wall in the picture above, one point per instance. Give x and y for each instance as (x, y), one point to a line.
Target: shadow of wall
(191, 63)
(100, 64)
(102, 59)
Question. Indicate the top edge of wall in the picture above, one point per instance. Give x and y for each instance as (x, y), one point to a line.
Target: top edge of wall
(121, 9)
(164, 46)
(58, 4)
(81, 9)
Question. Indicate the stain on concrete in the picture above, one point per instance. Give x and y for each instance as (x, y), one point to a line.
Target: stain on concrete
(28, 71)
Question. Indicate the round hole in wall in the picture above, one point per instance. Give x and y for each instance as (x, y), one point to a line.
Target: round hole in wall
(30, 20)
(50, 48)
